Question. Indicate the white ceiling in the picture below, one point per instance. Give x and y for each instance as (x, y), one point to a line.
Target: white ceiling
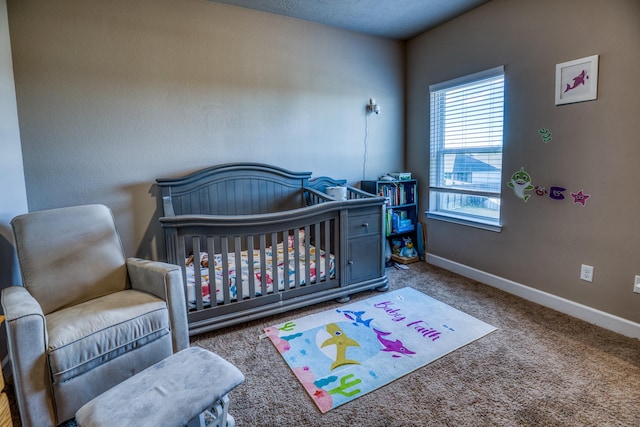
(396, 19)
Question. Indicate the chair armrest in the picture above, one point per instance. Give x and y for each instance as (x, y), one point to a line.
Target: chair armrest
(164, 281)
(27, 341)
(17, 302)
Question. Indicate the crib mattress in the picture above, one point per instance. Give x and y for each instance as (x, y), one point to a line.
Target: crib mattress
(284, 272)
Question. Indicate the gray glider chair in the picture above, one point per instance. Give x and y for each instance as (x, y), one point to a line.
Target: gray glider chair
(86, 317)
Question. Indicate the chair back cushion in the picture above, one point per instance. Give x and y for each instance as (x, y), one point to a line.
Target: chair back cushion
(69, 255)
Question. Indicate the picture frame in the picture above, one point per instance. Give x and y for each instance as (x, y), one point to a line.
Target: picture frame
(577, 80)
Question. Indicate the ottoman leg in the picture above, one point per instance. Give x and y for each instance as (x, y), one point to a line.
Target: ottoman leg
(217, 416)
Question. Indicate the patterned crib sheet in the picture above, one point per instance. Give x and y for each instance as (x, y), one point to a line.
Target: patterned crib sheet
(315, 258)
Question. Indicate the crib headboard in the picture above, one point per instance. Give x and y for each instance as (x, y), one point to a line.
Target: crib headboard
(234, 189)
(322, 182)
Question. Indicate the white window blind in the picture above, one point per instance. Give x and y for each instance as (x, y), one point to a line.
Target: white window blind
(467, 116)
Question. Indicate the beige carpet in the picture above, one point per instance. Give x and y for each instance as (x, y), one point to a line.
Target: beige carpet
(540, 368)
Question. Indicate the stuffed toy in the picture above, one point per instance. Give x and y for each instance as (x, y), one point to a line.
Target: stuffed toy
(408, 250)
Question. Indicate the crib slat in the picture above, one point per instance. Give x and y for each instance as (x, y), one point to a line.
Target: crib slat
(224, 249)
(263, 264)
(211, 250)
(327, 248)
(307, 256)
(237, 246)
(286, 270)
(182, 253)
(274, 263)
(318, 244)
(296, 261)
(252, 276)
(195, 245)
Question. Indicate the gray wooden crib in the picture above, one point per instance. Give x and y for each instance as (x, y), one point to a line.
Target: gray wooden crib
(255, 240)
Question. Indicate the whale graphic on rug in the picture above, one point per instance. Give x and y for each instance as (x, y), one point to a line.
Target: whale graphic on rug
(392, 346)
(342, 342)
(356, 317)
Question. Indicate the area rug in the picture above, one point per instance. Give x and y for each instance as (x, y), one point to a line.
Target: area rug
(342, 354)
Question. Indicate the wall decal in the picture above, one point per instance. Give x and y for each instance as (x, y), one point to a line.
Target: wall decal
(521, 182)
(580, 197)
(556, 193)
(545, 134)
(541, 190)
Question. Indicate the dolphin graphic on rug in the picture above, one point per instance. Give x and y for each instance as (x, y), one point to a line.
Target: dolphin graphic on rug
(392, 346)
(356, 317)
(341, 341)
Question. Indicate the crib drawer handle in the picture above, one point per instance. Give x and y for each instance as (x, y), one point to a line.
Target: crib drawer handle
(363, 224)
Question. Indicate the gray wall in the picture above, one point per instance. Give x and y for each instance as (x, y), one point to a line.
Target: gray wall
(13, 196)
(113, 94)
(595, 144)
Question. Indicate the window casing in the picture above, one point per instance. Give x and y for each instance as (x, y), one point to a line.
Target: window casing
(467, 121)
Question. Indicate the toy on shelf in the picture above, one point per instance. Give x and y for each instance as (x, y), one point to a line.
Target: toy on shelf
(407, 253)
(408, 250)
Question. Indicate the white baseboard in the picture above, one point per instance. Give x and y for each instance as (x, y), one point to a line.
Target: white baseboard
(583, 312)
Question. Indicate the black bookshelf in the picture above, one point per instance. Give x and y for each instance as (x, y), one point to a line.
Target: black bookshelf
(401, 217)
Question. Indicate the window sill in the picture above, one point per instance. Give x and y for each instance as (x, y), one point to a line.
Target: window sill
(464, 221)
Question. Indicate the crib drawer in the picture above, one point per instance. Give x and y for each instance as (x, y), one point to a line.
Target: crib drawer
(362, 225)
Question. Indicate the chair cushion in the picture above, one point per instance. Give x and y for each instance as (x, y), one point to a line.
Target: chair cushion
(92, 333)
(69, 255)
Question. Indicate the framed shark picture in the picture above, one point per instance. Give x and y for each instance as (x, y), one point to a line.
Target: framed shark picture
(577, 80)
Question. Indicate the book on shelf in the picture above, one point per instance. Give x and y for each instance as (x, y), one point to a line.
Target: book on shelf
(397, 222)
(410, 190)
(397, 194)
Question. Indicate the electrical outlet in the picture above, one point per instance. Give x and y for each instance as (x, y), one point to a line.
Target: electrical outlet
(636, 285)
(586, 273)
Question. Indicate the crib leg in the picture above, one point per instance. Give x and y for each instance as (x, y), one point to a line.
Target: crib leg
(384, 288)
(343, 299)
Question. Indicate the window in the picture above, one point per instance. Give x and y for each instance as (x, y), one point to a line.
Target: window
(467, 116)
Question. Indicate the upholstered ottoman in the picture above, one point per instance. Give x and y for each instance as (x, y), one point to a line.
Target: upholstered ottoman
(188, 388)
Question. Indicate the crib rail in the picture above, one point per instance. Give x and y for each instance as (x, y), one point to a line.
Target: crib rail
(250, 244)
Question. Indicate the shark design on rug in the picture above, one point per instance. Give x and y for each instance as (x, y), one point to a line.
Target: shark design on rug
(356, 317)
(392, 346)
(342, 342)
